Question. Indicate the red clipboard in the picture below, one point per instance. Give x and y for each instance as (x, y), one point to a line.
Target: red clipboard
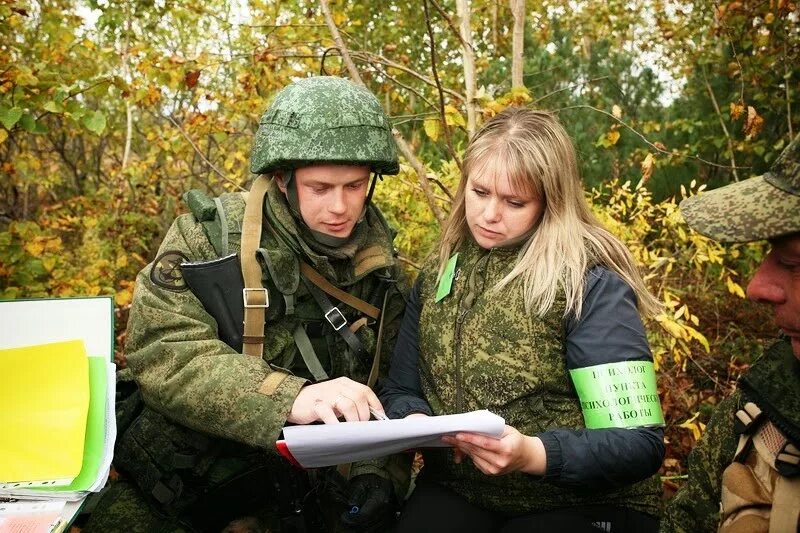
(283, 449)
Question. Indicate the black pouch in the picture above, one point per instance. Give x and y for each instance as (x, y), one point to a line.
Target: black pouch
(218, 284)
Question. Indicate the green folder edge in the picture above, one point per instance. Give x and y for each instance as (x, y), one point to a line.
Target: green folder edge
(96, 420)
(95, 431)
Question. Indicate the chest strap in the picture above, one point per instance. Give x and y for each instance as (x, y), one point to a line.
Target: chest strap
(767, 461)
(356, 303)
(255, 296)
(336, 319)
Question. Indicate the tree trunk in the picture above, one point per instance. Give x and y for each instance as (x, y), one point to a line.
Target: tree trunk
(518, 43)
(464, 11)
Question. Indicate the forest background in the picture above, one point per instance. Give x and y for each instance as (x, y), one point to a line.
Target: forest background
(111, 110)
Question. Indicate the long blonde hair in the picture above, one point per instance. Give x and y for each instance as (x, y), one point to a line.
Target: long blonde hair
(534, 151)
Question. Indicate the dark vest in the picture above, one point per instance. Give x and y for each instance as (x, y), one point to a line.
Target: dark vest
(480, 349)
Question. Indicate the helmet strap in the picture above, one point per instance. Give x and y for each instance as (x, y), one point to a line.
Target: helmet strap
(291, 193)
(375, 178)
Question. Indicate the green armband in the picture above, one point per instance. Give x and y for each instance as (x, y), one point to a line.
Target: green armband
(618, 395)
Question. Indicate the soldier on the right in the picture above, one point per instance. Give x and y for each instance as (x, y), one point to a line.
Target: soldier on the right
(744, 475)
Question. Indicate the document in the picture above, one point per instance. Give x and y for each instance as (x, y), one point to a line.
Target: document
(57, 390)
(315, 446)
(44, 391)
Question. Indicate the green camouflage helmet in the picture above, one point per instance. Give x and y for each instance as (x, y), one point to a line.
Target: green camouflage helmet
(763, 207)
(324, 119)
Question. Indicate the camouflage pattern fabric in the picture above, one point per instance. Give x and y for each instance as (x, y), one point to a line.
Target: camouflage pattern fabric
(324, 119)
(773, 383)
(187, 373)
(759, 208)
(482, 350)
(208, 392)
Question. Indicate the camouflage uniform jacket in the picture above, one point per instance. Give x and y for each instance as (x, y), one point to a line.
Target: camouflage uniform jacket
(196, 381)
(772, 383)
(480, 349)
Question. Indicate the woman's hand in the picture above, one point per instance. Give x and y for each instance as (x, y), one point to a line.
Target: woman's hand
(512, 452)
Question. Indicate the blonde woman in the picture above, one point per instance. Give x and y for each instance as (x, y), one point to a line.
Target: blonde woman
(531, 310)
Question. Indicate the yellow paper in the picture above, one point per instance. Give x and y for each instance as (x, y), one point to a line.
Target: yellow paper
(44, 401)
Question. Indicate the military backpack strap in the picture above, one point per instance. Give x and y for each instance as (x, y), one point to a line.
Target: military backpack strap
(336, 319)
(376, 361)
(356, 303)
(761, 488)
(255, 296)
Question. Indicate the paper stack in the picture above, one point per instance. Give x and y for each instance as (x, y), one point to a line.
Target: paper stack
(57, 388)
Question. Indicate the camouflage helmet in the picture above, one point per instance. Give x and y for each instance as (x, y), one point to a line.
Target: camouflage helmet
(763, 207)
(324, 119)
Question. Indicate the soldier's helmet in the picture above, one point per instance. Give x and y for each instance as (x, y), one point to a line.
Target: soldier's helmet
(764, 207)
(320, 120)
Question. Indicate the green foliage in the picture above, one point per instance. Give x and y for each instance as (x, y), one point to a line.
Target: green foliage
(104, 124)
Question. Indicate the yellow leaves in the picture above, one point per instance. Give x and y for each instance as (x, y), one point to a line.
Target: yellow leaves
(453, 116)
(734, 288)
(647, 169)
(34, 248)
(736, 110)
(753, 124)
(609, 139)
(153, 95)
(124, 295)
(339, 18)
(697, 428)
(3, 135)
(432, 128)
(518, 96)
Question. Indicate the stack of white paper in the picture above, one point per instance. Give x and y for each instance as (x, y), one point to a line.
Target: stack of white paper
(35, 333)
(332, 444)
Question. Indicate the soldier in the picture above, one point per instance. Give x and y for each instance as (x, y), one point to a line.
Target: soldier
(743, 475)
(306, 263)
(530, 311)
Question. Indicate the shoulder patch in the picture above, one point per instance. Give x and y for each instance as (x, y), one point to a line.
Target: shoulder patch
(166, 271)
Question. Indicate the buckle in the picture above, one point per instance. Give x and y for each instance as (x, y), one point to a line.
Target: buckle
(247, 290)
(336, 313)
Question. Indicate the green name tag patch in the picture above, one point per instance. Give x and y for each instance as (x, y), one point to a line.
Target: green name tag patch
(618, 395)
(446, 282)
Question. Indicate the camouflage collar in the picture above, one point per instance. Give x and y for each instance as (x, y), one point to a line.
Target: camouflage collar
(368, 250)
(773, 383)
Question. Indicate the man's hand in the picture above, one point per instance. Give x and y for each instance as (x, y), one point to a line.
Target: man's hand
(327, 401)
(370, 503)
(513, 452)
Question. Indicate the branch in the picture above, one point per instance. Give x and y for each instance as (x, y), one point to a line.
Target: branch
(405, 149)
(643, 138)
(377, 58)
(424, 180)
(518, 42)
(568, 87)
(445, 127)
(786, 84)
(199, 153)
(452, 25)
(468, 53)
(721, 122)
(337, 38)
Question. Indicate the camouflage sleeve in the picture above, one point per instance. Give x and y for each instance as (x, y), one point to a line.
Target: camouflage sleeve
(184, 371)
(696, 506)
